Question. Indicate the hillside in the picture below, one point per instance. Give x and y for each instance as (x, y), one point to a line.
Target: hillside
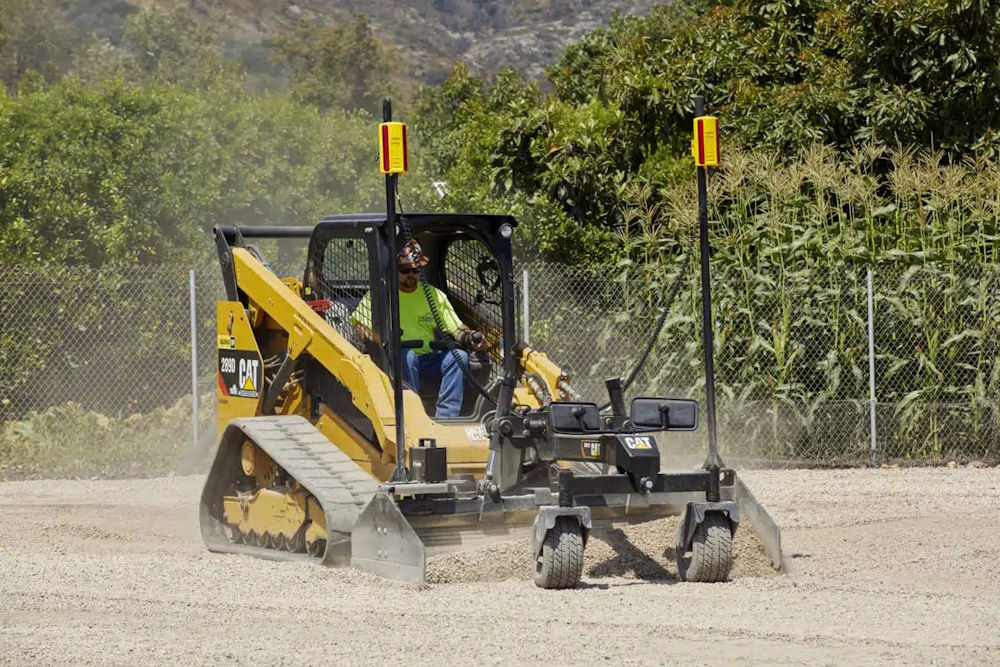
(429, 35)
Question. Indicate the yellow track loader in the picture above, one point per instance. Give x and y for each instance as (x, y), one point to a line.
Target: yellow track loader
(325, 454)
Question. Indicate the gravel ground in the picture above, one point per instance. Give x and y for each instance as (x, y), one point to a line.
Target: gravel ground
(886, 567)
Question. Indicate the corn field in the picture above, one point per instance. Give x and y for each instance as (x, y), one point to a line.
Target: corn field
(792, 245)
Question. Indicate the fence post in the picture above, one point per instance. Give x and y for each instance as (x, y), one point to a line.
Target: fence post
(194, 365)
(871, 363)
(526, 311)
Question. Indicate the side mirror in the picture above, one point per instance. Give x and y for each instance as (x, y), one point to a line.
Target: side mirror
(574, 417)
(665, 414)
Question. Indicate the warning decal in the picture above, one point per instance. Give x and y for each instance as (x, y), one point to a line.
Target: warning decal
(239, 373)
(475, 433)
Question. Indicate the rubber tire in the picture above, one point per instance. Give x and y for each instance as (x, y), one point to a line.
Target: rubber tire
(711, 556)
(560, 565)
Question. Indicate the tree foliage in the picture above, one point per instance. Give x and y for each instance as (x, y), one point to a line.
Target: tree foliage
(337, 67)
(786, 73)
(173, 45)
(161, 128)
(35, 38)
(781, 75)
(120, 173)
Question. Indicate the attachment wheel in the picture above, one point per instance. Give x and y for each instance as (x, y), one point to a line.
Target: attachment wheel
(711, 555)
(560, 564)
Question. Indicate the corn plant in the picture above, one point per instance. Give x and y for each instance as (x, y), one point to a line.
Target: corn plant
(791, 243)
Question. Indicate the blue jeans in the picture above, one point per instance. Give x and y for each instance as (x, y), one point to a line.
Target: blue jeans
(432, 366)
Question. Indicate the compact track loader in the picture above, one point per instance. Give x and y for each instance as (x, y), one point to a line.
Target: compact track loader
(315, 461)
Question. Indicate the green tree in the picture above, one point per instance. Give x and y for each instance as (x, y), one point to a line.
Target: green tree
(175, 45)
(36, 37)
(500, 151)
(931, 69)
(786, 73)
(337, 67)
(781, 75)
(126, 174)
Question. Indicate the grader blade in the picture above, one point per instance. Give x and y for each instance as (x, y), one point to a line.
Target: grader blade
(384, 543)
(764, 526)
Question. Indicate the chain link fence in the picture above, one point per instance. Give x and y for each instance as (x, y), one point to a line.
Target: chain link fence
(812, 368)
(96, 369)
(113, 349)
(114, 340)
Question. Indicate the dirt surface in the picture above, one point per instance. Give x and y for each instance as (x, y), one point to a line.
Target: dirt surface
(644, 551)
(886, 566)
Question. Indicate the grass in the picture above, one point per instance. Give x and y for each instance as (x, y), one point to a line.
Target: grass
(69, 441)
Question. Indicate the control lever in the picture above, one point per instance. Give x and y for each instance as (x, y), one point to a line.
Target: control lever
(616, 397)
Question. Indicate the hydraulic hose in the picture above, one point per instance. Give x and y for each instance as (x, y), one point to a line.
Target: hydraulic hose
(453, 345)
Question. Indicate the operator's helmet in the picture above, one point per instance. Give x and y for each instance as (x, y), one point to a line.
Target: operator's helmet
(411, 254)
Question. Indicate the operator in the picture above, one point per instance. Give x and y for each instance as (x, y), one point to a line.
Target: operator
(418, 324)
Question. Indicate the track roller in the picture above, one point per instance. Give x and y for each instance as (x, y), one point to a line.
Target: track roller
(316, 548)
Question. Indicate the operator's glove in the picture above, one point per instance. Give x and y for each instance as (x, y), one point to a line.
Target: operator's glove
(473, 340)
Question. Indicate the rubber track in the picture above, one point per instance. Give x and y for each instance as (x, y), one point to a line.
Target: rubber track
(341, 487)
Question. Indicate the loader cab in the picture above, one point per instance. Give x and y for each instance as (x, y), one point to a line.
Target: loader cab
(349, 258)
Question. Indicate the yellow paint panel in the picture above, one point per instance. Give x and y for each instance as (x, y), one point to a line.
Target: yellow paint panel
(267, 511)
(238, 390)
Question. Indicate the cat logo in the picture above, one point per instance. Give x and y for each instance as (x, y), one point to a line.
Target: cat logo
(638, 442)
(248, 374)
(590, 449)
(239, 373)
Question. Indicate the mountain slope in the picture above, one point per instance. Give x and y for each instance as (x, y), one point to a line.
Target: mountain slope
(429, 35)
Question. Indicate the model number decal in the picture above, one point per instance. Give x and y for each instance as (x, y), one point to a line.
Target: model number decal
(239, 373)
(638, 442)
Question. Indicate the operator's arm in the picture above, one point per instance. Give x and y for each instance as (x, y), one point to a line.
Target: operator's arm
(361, 318)
(466, 336)
(461, 332)
(363, 332)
